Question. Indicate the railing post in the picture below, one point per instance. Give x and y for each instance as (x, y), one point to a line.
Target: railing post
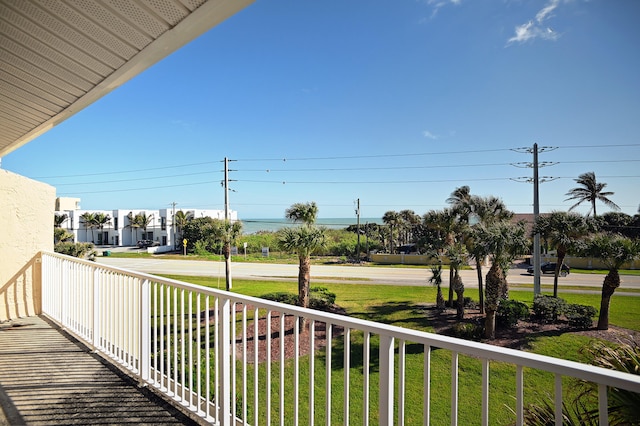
(144, 356)
(386, 380)
(224, 353)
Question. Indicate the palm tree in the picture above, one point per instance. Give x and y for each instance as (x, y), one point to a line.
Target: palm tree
(306, 213)
(303, 240)
(461, 201)
(143, 222)
(446, 223)
(614, 250)
(180, 219)
(590, 191)
(391, 219)
(563, 231)
(487, 210)
(408, 221)
(504, 241)
(89, 221)
(457, 255)
(100, 221)
(230, 231)
(132, 224)
(59, 219)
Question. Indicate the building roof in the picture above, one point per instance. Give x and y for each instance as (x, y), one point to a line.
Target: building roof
(57, 57)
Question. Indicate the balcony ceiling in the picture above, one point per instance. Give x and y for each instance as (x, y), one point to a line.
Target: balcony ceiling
(59, 56)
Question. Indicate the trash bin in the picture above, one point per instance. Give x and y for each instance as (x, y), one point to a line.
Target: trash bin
(106, 253)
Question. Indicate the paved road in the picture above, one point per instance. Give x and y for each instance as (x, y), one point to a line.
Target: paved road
(340, 273)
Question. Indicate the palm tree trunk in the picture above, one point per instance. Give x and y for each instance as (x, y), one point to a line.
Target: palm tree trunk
(611, 282)
(480, 289)
(450, 301)
(562, 252)
(304, 278)
(459, 288)
(490, 324)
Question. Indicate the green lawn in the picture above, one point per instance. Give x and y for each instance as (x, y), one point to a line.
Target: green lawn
(404, 306)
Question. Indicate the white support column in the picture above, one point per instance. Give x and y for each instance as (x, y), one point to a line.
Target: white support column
(95, 335)
(386, 380)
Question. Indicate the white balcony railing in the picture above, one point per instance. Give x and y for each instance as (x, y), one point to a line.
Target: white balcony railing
(196, 345)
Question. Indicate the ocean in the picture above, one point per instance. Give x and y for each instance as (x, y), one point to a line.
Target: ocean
(251, 226)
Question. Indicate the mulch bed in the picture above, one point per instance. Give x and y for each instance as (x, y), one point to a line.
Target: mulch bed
(442, 322)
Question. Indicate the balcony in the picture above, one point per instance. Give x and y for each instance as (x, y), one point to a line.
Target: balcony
(196, 347)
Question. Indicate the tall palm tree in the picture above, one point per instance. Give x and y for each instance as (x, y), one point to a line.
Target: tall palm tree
(447, 224)
(436, 279)
(306, 213)
(461, 201)
(391, 219)
(100, 221)
(488, 210)
(303, 240)
(614, 250)
(408, 221)
(563, 231)
(132, 224)
(89, 221)
(504, 241)
(591, 191)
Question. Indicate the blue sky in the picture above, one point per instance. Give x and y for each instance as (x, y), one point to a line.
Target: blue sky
(393, 102)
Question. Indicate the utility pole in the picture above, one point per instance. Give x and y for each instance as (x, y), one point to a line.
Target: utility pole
(358, 229)
(536, 205)
(227, 223)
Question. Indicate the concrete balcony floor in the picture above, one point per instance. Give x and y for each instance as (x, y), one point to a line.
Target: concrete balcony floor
(48, 377)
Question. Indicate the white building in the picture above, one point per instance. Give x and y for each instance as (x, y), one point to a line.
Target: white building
(119, 232)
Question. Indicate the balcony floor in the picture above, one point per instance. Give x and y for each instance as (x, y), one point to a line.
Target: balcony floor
(47, 377)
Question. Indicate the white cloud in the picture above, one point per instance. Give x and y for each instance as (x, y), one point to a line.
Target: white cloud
(427, 134)
(439, 4)
(537, 28)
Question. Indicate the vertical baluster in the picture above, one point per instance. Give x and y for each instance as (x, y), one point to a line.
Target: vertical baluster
(268, 365)
(366, 360)
(603, 405)
(386, 380)
(312, 374)
(454, 388)
(296, 370)
(256, 337)
(282, 360)
(401, 380)
(244, 363)
(485, 392)
(216, 361)
(183, 351)
(145, 330)
(198, 353)
(558, 399)
(234, 392)
(347, 367)
(426, 382)
(329, 328)
(519, 396)
(207, 350)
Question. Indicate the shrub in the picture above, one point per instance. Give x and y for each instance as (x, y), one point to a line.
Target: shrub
(510, 312)
(81, 250)
(200, 249)
(467, 331)
(547, 309)
(282, 297)
(580, 316)
(321, 298)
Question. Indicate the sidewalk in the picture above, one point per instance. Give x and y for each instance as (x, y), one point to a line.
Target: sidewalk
(48, 378)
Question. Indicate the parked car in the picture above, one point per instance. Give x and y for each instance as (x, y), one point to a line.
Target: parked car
(550, 268)
(147, 243)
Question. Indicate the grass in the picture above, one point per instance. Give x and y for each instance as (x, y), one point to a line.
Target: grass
(404, 306)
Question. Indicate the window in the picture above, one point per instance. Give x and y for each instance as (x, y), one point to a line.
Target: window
(163, 223)
(115, 223)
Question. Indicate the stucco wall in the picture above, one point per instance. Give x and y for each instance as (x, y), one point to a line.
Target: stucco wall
(26, 228)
